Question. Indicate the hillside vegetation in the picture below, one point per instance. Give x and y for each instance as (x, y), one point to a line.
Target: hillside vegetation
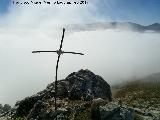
(142, 93)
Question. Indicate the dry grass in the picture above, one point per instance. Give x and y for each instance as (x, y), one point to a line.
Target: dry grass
(137, 91)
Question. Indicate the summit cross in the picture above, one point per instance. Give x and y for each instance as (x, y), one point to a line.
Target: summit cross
(59, 52)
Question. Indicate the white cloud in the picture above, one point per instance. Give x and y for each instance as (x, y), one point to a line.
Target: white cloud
(48, 15)
(115, 55)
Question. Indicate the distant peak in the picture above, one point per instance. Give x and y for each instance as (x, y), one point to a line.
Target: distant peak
(156, 24)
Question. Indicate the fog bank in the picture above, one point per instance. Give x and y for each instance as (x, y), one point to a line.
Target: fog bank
(113, 54)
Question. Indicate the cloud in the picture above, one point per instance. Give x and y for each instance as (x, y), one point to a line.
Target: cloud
(48, 15)
(115, 55)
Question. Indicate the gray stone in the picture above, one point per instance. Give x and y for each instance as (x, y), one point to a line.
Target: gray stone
(111, 111)
(85, 83)
(82, 85)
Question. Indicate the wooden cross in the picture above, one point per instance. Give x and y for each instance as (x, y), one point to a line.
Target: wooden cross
(59, 52)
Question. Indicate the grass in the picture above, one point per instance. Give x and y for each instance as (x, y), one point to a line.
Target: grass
(138, 92)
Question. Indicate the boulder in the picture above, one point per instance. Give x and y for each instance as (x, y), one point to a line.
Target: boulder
(95, 111)
(81, 85)
(36, 110)
(112, 111)
(6, 108)
(85, 85)
(24, 106)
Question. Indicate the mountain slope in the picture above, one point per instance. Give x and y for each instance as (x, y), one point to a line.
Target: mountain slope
(114, 25)
(141, 93)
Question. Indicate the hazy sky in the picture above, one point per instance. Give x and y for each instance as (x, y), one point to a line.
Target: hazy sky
(139, 11)
(116, 55)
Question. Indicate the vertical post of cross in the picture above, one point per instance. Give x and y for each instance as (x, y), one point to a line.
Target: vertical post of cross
(59, 52)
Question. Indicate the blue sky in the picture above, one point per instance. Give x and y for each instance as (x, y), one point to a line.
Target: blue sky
(4, 4)
(138, 11)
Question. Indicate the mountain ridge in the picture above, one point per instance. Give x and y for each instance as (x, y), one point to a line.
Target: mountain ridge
(155, 27)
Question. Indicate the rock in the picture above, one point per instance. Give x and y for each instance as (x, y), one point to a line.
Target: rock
(95, 111)
(36, 110)
(84, 84)
(81, 85)
(1, 109)
(41, 111)
(6, 108)
(62, 90)
(88, 97)
(75, 93)
(127, 113)
(60, 114)
(61, 117)
(25, 105)
(110, 111)
(1, 106)
(146, 114)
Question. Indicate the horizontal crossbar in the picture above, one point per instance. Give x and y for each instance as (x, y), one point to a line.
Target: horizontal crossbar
(58, 52)
(73, 53)
(42, 51)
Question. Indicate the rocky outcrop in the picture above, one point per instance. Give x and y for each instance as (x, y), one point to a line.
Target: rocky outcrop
(83, 95)
(4, 109)
(83, 86)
